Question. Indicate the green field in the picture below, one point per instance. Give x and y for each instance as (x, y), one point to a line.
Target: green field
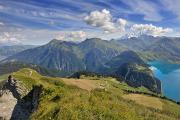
(95, 98)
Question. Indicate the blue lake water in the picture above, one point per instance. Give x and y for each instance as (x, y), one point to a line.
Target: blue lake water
(169, 74)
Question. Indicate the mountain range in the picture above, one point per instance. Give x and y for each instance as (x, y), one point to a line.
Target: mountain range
(93, 53)
(6, 51)
(69, 56)
(101, 56)
(150, 48)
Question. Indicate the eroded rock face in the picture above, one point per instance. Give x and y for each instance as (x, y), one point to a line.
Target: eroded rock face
(16, 103)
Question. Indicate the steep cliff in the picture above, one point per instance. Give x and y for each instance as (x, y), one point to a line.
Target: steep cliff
(137, 75)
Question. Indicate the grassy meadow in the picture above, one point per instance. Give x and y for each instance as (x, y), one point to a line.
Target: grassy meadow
(95, 98)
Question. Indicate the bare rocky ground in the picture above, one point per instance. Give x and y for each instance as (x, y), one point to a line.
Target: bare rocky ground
(7, 105)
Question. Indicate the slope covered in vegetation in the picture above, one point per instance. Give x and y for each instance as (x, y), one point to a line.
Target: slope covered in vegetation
(94, 97)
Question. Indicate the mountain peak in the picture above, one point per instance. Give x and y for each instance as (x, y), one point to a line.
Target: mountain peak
(93, 40)
(55, 41)
(143, 36)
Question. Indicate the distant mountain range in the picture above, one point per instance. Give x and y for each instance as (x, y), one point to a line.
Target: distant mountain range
(149, 47)
(69, 56)
(93, 53)
(6, 51)
(125, 58)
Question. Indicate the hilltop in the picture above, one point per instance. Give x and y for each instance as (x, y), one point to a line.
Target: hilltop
(89, 97)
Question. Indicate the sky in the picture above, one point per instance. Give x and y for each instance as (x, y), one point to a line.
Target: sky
(39, 21)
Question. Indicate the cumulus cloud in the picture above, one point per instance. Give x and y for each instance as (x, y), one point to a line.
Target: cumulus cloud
(148, 29)
(75, 36)
(10, 38)
(103, 19)
(121, 24)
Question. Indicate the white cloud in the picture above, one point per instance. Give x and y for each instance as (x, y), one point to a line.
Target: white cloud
(148, 29)
(1, 24)
(173, 6)
(121, 24)
(147, 8)
(104, 20)
(101, 19)
(10, 38)
(1, 7)
(75, 36)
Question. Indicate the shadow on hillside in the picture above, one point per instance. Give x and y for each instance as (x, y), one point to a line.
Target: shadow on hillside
(27, 105)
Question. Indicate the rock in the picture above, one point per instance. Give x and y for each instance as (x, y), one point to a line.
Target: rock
(16, 102)
(27, 105)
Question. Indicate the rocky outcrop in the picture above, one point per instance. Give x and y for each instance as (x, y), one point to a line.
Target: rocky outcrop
(15, 87)
(16, 101)
(136, 75)
(27, 105)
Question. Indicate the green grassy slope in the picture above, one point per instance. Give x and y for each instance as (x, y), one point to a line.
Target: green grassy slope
(69, 102)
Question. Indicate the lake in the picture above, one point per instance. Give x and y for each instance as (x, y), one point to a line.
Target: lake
(169, 74)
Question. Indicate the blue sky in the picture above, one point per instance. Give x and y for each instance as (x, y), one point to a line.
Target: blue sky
(39, 21)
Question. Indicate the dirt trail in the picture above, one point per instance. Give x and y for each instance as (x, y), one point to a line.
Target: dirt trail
(7, 104)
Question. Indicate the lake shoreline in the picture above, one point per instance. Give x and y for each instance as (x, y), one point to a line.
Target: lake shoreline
(169, 74)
